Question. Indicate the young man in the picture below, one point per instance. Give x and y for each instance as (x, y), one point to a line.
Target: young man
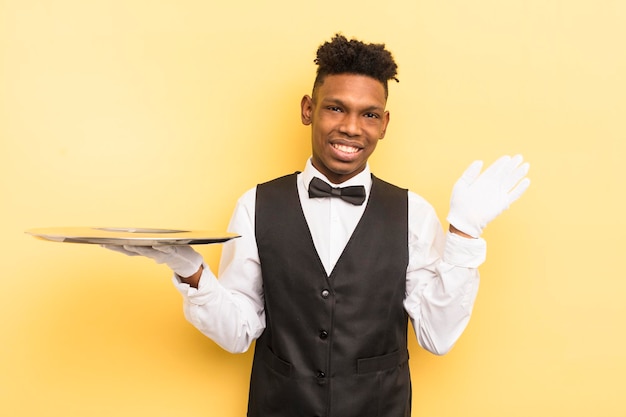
(333, 262)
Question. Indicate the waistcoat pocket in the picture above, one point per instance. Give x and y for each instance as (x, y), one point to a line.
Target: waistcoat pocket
(275, 363)
(381, 363)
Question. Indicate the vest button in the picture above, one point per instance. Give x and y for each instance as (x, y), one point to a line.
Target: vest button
(323, 334)
(325, 293)
(321, 374)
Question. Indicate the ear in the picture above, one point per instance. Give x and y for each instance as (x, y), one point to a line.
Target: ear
(386, 118)
(306, 110)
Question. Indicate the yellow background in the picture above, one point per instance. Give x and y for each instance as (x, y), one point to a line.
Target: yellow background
(161, 113)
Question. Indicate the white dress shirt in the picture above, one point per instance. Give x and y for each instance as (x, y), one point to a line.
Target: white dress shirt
(441, 279)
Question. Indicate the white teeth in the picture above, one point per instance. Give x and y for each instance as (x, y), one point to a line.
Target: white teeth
(345, 148)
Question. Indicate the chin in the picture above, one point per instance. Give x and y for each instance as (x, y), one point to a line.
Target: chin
(347, 172)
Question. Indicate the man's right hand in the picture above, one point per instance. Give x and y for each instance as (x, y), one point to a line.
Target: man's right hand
(183, 260)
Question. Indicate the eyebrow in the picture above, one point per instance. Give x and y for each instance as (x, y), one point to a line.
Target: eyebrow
(332, 100)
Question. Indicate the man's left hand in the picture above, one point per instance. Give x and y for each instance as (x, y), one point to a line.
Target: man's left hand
(479, 198)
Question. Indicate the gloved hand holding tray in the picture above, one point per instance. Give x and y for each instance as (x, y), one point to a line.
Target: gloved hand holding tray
(130, 236)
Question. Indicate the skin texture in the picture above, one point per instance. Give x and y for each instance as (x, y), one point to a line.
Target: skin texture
(347, 117)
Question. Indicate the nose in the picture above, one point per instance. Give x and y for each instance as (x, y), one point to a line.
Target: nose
(350, 125)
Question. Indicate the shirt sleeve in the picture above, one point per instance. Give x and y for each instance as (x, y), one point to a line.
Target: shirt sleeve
(229, 310)
(442, 278)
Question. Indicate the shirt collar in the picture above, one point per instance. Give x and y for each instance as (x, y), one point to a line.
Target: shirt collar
(363, 178)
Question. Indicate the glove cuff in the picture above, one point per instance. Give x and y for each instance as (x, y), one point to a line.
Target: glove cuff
(464, 252)
(465, 226)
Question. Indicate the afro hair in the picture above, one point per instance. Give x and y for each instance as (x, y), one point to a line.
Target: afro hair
(343, 56)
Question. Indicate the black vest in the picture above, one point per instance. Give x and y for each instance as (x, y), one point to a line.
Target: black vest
(333, 346)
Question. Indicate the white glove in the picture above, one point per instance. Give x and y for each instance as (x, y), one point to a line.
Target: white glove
(478, 199)
(183, 260)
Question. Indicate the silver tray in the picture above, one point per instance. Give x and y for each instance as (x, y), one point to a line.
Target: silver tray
(130, 236)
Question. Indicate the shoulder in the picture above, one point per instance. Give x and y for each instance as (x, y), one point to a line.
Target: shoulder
(278, 190)
(424, 224)
(423, 219)
(418, 202)
(280, 180)
(379, 182)
(415, 200)
(247, 201)
(250, 195)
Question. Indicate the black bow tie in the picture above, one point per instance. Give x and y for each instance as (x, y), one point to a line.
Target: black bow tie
(354, 195)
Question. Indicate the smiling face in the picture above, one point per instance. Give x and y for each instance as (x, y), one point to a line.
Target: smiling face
(347, 117)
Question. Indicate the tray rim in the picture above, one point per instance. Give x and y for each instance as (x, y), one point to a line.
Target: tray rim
(130, 236)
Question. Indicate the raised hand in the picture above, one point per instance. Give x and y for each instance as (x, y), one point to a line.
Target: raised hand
(479, 198)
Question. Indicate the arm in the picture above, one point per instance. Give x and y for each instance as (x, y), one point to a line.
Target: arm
(193, 280)
(230, 310)
(456, 231)
(442, 278)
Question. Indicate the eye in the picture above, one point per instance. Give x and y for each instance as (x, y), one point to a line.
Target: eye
(372, 115)
(334, 108)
